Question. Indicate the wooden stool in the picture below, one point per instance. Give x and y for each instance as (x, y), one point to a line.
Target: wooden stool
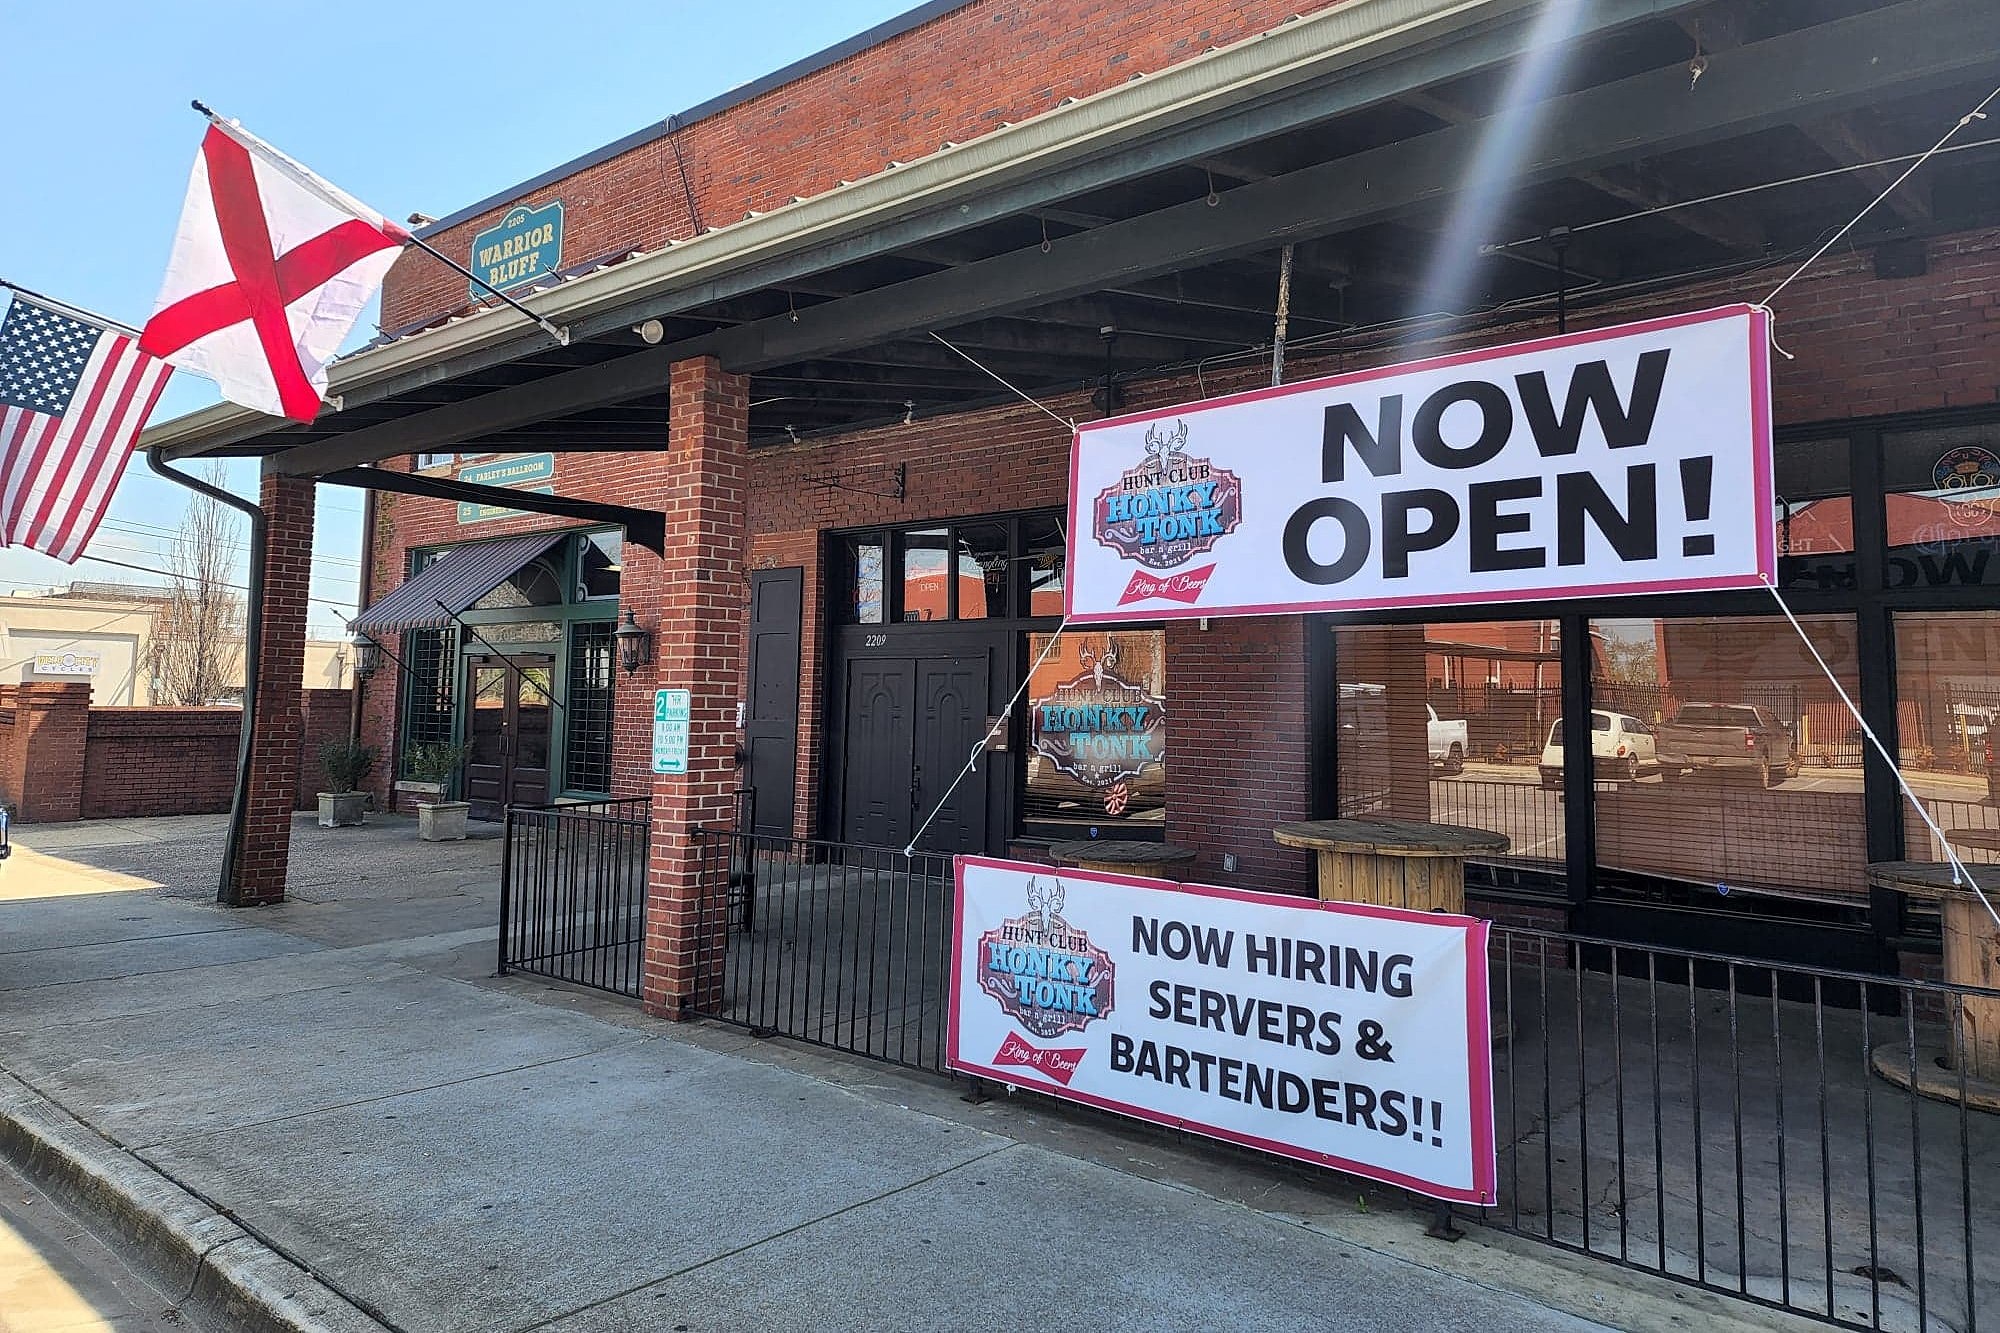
(1155, 860)
(1391, 862)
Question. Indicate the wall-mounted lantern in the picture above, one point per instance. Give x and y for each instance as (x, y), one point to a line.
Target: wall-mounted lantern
(367, 655)
(635, 645)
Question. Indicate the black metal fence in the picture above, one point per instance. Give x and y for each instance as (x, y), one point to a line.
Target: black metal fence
(1737, 1125)
(573, 892)
(827, 943)
(1746, 1127)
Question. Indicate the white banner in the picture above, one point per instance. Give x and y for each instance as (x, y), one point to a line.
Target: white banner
(1628, 460)
(1347, 1036)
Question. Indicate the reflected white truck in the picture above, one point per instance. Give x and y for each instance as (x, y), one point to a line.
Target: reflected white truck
(1448, 742)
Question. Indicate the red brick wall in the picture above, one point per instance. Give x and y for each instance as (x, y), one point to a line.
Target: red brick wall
(953, 79)
(327, 716)
(44, 775)
(159, 761)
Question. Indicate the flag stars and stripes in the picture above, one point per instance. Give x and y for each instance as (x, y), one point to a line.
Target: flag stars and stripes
(42, 358)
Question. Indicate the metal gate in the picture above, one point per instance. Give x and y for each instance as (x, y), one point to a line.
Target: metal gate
(838, 945)
(573, 892)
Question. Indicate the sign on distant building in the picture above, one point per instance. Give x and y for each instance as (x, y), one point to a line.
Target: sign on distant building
(67, 664)
(524, 246)
(1634, 459)
(518, 472)
(671, 714)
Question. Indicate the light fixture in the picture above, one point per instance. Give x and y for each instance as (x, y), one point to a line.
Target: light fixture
(367, 654)
(635, 645)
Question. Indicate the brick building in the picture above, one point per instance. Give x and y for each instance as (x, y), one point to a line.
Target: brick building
(778, 445)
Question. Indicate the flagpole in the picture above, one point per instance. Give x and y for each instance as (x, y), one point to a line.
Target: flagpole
(67, 308)
(560, 334)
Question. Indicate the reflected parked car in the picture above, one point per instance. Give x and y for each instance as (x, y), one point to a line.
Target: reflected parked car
(1710, 737)
(1621, 748)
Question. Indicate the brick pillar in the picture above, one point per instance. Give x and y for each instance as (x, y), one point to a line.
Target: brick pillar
(51, 726)
(259, 872)
(697, 646)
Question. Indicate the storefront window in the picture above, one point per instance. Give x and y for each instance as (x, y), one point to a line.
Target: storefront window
(534, 584)
(926, 584)
(1948, 703)
(1446, 723)
(600, 560)
(1943, 506)
(1042, 566)
(1815, 514)
(430, 662)
(587, 726)
(857, 579)
(982, 559)
(1097, 732)
(1726, 763)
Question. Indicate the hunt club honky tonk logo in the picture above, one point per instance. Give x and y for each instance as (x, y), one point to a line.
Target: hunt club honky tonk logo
(1045, 973)
(1169, 507)
(1098, 728)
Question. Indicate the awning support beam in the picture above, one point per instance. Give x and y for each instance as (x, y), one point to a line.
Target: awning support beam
(644, 527)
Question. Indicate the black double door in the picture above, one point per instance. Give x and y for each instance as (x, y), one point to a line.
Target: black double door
(910, 725)
(508, 732)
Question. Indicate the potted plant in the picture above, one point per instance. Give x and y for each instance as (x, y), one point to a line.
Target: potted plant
(346, 765)
(431, 766)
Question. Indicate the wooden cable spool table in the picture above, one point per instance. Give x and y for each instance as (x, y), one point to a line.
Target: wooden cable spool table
(1971, 958)
(1155, 860)
(1391, 862)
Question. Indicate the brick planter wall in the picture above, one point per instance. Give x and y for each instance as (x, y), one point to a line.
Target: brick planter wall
(159, 761)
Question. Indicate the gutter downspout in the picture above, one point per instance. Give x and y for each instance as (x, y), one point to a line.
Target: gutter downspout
(253, 624)
(361, 601)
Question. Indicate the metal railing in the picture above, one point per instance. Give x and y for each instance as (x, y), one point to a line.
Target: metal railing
(573, 892)
(828, 943)
(1746, 1127)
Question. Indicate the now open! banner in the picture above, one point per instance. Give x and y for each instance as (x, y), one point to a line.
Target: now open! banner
(1627, 460)
(1349, 1036)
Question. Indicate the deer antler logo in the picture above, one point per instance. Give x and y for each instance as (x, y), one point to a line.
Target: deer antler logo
(1165, 450)
(1047, 901)
(1098, 664)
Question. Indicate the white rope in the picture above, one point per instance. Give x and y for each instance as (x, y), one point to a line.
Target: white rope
(1018, 392)
(1977, 113)
(972, 760)
(1960, 876)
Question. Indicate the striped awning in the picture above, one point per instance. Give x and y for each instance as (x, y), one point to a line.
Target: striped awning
(450, 584)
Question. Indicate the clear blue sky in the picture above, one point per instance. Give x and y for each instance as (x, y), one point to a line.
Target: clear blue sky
(410, 106)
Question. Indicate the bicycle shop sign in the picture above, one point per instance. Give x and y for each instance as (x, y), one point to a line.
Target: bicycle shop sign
(1626, 460)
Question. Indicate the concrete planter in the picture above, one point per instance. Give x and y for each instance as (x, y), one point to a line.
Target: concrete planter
(441, 821)
(340, 809)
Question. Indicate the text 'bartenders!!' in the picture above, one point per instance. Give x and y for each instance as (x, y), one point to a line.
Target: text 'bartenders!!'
(1342, 1035)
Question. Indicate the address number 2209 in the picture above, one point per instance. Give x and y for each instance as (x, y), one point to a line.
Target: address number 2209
(876, 640)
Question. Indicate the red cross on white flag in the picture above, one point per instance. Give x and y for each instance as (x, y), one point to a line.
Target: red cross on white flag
(270, 269)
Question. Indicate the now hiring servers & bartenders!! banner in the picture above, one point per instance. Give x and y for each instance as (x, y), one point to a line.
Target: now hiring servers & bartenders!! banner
(1625, 460)
(1348, 1036)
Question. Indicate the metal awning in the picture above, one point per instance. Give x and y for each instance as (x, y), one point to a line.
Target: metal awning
(450, 584)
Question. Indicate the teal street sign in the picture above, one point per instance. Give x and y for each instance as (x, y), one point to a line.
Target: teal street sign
(523, 246)
(671, 712)
(519, 473)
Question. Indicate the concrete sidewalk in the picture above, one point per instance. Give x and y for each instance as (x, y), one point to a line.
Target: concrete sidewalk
(338, 1087)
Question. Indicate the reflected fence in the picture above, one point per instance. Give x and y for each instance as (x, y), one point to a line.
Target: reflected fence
(1733, 1124)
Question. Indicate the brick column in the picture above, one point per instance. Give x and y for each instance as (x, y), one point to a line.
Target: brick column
(697, 646)
(51, 726)
(259, 873)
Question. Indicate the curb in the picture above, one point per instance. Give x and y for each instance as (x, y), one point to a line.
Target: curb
(228, 1279)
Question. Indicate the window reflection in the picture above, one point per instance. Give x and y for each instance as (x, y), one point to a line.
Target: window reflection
(1445, 723)
(1948, 703)
(1728, 764)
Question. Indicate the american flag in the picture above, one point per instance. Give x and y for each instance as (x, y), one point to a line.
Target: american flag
(73, 395)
